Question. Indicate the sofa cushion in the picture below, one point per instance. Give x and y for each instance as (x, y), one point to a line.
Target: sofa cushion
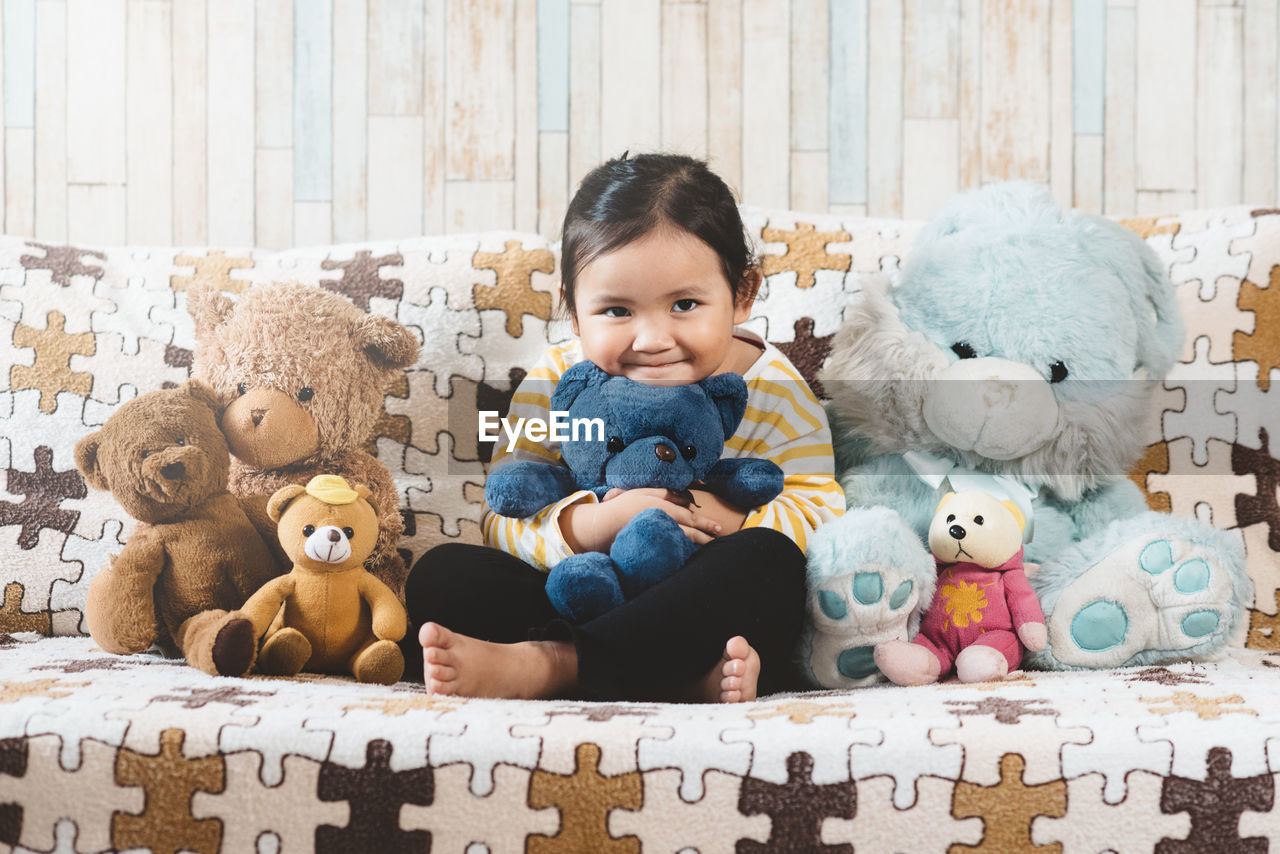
(82, 329)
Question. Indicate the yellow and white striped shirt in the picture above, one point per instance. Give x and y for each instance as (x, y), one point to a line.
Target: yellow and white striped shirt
(784, 422)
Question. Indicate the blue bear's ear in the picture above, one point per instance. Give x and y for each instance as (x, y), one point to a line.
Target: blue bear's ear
(574, 382)
(729, 394)
(1151, 294)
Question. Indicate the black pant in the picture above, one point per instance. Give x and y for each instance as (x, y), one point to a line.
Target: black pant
(749, 583)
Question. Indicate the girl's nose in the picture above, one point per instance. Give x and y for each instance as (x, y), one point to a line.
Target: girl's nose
(652, 336)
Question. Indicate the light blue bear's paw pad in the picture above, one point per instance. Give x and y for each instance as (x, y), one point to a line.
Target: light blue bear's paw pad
(852, 613)
(1163, 599)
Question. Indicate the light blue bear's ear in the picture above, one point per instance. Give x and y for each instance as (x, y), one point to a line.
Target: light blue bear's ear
(1157, 316)
(729, 394)
(1001, 205)
(574, 382)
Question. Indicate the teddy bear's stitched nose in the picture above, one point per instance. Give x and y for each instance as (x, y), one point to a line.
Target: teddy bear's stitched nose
(173, 471)
(257, 415)
(956, 531)
(665, 453)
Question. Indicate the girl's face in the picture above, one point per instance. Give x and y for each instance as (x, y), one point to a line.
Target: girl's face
(658, 310)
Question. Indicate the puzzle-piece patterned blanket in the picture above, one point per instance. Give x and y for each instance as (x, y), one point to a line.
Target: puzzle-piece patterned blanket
(107, 752)
(101, 752)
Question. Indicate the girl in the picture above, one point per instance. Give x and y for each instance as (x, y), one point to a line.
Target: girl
(656, 273)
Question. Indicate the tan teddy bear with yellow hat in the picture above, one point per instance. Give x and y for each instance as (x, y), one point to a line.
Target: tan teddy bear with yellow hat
(338, 618)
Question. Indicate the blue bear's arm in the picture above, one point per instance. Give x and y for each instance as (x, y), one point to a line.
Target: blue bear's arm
(887, 481)
(745, 481)
(522, 488)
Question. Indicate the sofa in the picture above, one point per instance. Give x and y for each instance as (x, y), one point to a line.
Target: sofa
(104, 752)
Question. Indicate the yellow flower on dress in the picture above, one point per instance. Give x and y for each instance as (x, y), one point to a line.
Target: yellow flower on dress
(963, 602)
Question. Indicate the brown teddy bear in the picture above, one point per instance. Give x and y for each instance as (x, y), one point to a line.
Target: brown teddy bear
(194, 557)
(337, 617)
(301, 372)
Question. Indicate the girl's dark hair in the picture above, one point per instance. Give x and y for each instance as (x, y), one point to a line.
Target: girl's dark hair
(627, 197)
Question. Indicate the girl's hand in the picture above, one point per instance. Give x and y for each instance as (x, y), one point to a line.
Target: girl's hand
(592, 527)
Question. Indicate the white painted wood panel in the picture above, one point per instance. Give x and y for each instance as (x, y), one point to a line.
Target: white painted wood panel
(190, 124)
(395, 54)
(1219, 117)
(884, 109)
(51, 120)
(434, 121)
(685, 105)
(970, 94)
(95, 91)
(273, 199)
(1087, 187)
(584, 91)
(808, 181)
(312, 223)
(766, 87)
(1119, 152)
(930, 165)
(350, 121)
(527, 165)
(231, 110)
(1158, 202)
(395, 176)
(553, 182)
(480, 89)
(1016, 98)
(149, 123)
(95, 214)
(810, 82)
(479, 205)
(273, 73)
(931, 59)
(1061, 116)
(1261, 99)
(724, 84)
(1166, 75)
(20, 188)
(630, 76)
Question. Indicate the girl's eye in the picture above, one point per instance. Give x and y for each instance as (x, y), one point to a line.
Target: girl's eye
(243, 388)
(615, 311)
(685, 304)
(1057, 372)
(349, 532)
(308, 530)
(305, 393)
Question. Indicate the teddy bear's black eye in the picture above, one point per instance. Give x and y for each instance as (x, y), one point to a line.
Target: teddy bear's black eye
(182, 443)
(1057, 372)
(349, 532)
(688, 452)
(615, 444)
(964, 350)
(243, 388)
(305, 393)
(146, 454)
(308, 530)
(977, 520)
(951, 518)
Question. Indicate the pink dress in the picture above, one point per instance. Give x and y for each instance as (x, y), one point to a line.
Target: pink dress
(976, 605)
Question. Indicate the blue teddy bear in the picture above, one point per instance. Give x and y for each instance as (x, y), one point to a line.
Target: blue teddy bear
(669, 437)
(1017, 355)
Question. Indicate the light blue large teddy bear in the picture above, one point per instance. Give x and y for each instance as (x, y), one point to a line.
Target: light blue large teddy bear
(1017, 354)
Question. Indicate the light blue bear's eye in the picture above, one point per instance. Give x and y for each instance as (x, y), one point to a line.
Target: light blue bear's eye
(832, 605)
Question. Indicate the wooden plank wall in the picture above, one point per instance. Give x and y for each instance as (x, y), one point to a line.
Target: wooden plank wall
(295, 122)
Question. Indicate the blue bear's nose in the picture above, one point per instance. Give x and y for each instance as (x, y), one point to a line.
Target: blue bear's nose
(665, 453)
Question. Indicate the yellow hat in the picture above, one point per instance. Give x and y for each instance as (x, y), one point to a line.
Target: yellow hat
(331, 489)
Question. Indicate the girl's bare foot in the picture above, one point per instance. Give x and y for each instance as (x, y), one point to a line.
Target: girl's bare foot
(733, 679)
(463, 666)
